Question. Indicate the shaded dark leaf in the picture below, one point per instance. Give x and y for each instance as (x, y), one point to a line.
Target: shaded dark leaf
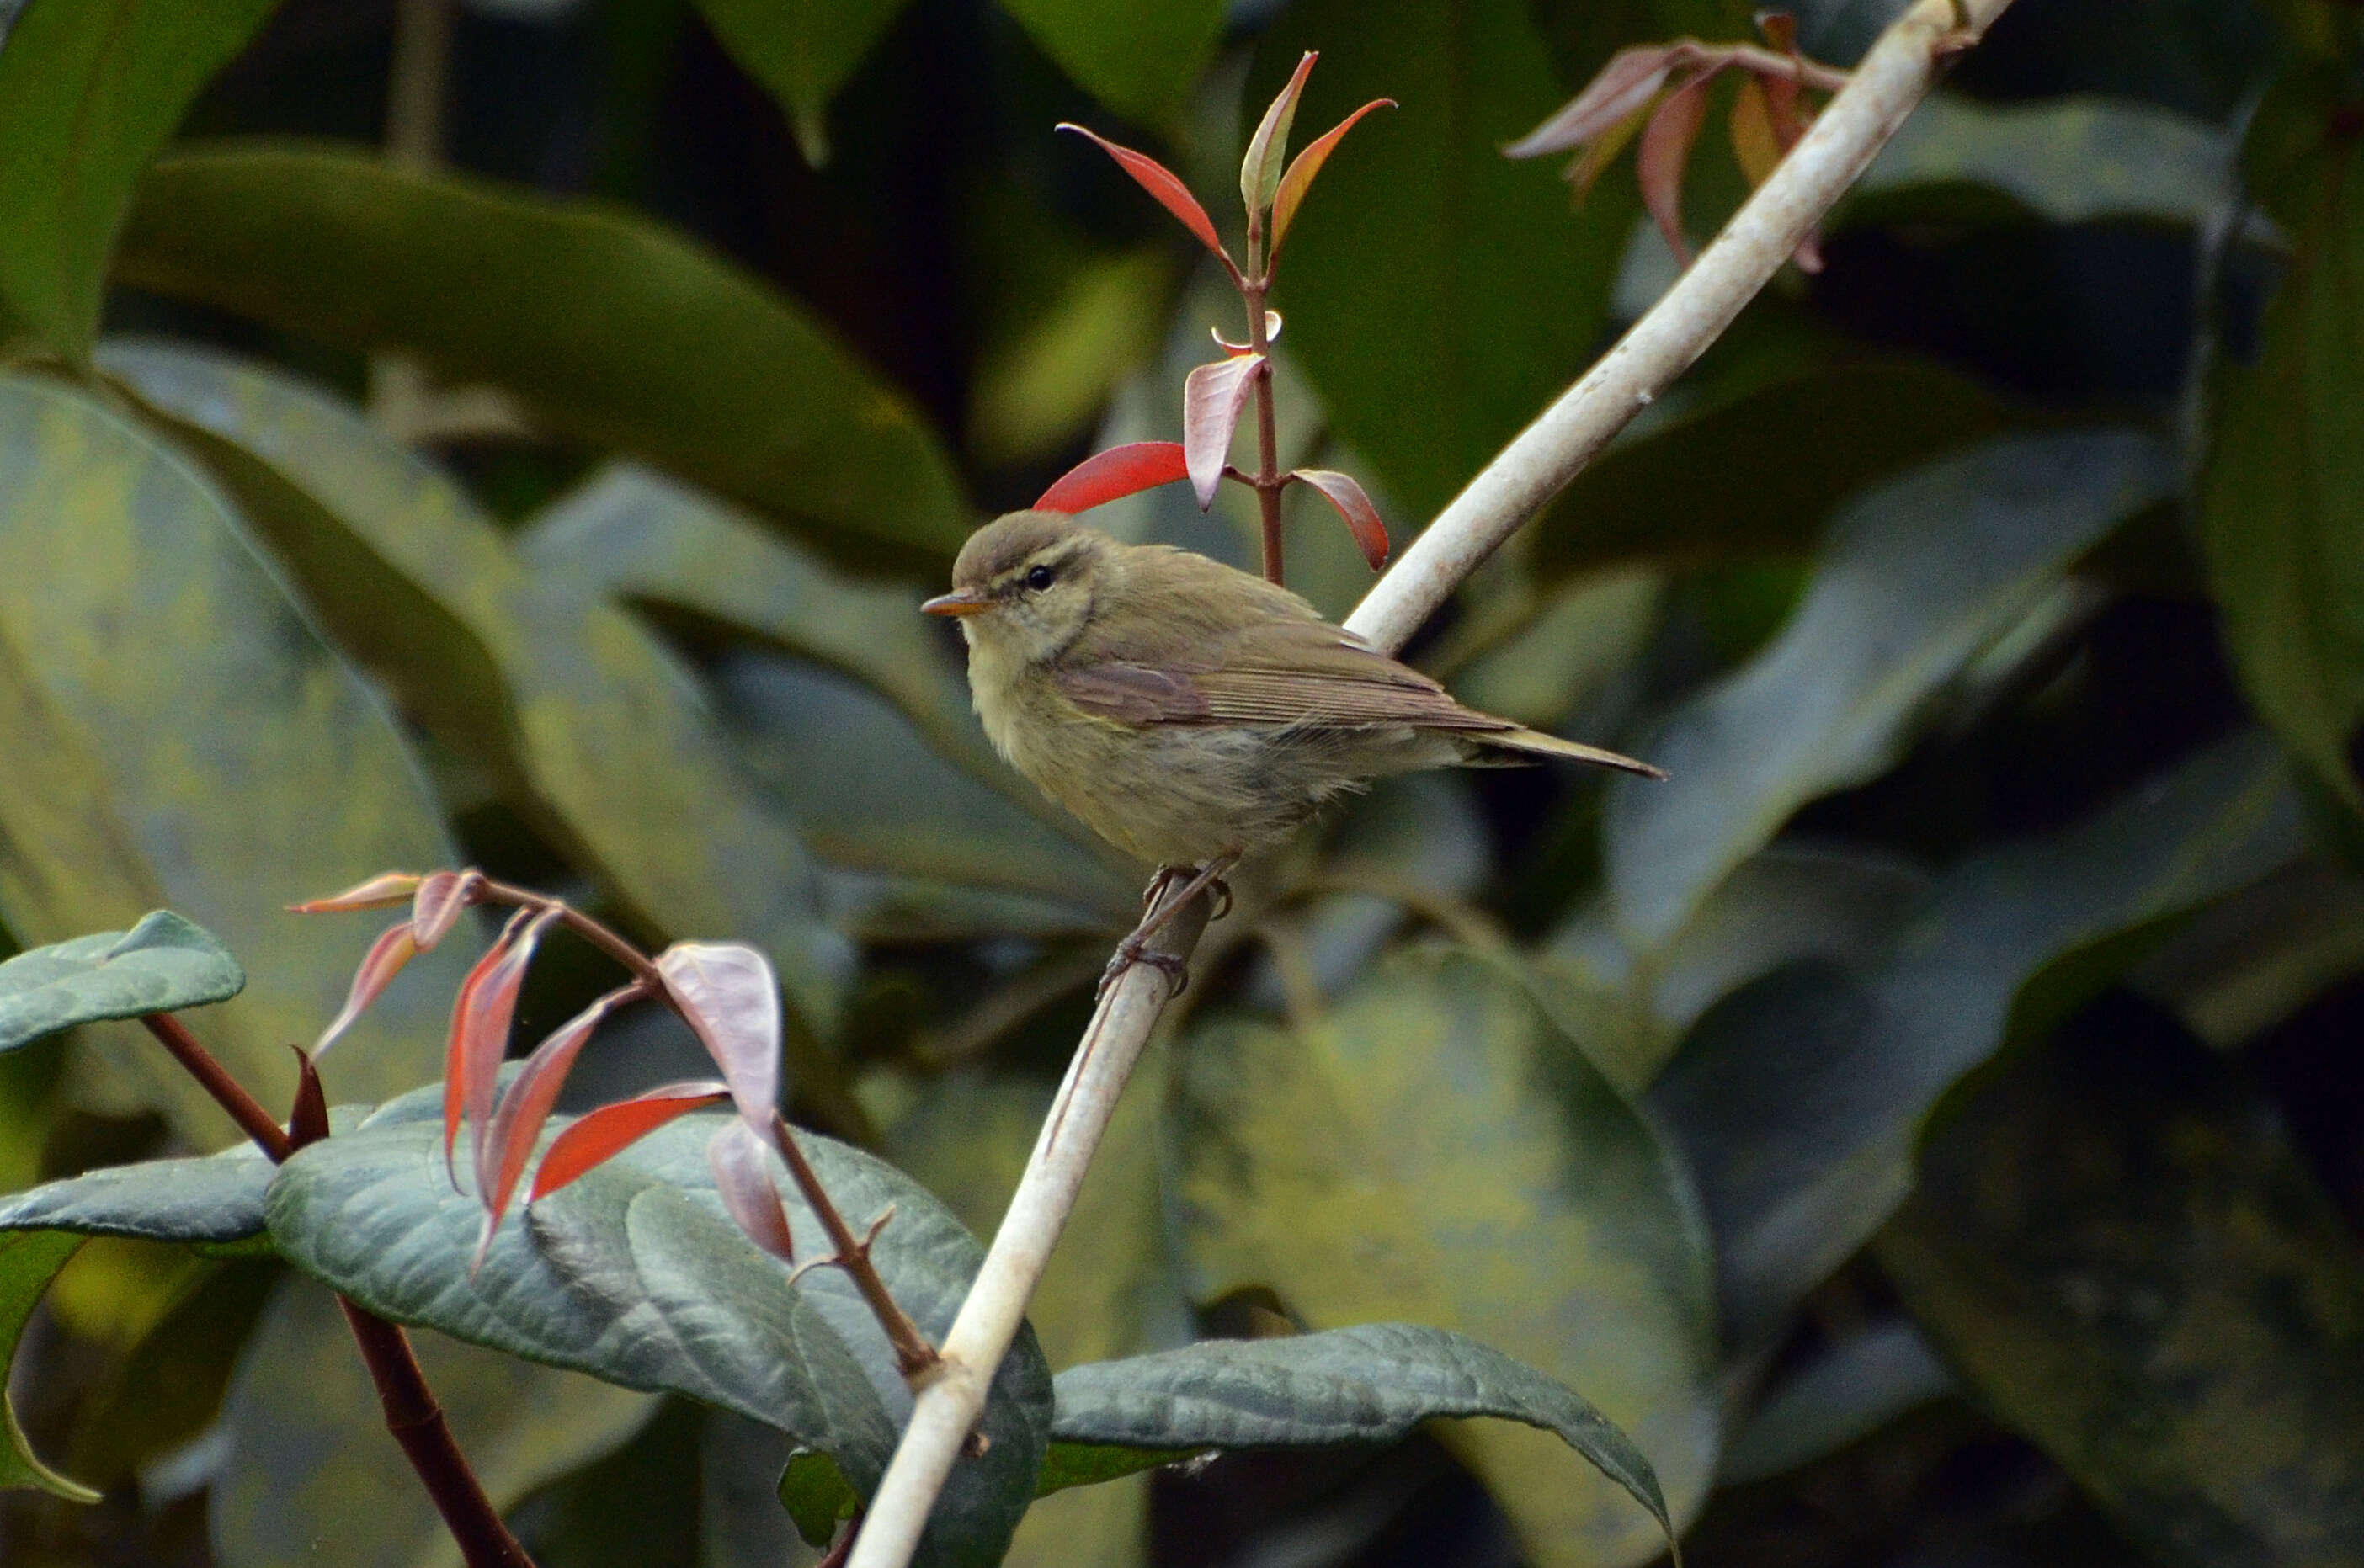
(1370, 1383)
(802, 54)
(1139, 57)
(308, 1122)
(614, 330)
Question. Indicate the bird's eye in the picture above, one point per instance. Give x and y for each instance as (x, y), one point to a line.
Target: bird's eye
(1040, 578)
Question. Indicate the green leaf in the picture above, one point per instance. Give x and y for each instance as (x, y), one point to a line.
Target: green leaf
(1435, 1150)
(1846, 1394)
(178, 735)
(1916, 578)
(1757, 473)
(802, 52)
(633, 1273)
(311, 1472)
(160, 965)
(1373, 1382)
(815, 1492)
(1039, 387)
(2067, 160)
(583, 720)
(89, 90)
(29, 1262)
(611, 330)
(1424, 259)
(1140, 58)
(2281, 492)
(2117, 1247)
(960, 815)
(1798, 1099)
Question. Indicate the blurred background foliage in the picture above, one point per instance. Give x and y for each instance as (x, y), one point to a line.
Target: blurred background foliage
(518, 433)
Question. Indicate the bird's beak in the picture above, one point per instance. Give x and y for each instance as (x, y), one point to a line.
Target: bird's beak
(966, 603)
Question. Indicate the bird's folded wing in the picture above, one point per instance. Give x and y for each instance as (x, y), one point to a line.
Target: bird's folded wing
(1293, 673)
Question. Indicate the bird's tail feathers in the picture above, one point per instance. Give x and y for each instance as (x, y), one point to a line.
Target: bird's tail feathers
(1535, 743)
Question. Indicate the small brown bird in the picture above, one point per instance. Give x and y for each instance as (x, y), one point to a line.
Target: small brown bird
(1191, 713)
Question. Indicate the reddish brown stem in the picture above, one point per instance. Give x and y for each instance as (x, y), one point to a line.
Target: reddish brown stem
(914, 1357)
(199, 1063)
(1267, 481)
(411, 1412)
(417, 1422)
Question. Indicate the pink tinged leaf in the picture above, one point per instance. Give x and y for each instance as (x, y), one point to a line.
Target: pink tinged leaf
(1783, 109)
(380, 892)
(526, 1108)
(599, 1136)
(1271, 334)
(1116, 472)
(1260, 169)
(742, 1175)
(1212, 397)
(1161, 182)
(480, 1031)
(1585, 170)
(1630, 79)
(440, 898)
(1362, 518)
(394, 948)
(1300, 178)
(1666, 149)
(730, 995)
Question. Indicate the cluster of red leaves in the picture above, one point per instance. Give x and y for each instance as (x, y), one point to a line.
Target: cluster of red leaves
(1660, 92)
(725, 991)
(1272, 189)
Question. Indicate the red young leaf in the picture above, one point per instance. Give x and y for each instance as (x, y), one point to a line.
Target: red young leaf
(379, 892)
(1212, 397)
(525, 1108)
(1260, 169)
(436, 909)
(394, 948)
(1781, 29)
(1666, 149)
(742, 1175)
(480, 1031)
(1630, 79)
(1781, 106)
(730, 997)
(1160, 182)
(599, 1136)
(1116, 472)
(308, 1123)
(1300, 178)
(1362, 518)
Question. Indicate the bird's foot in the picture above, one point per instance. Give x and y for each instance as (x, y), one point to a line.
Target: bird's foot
(1135, 950)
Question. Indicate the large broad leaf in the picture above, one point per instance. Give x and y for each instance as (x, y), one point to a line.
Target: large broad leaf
(2070, 160)
(1139, 57)
(1113, 1287)
(1437, 293)
(888, 795)
(29, 1262)
(1758, 473)
(180, 736)
(633, 1273)
(1798, 1098)
(610, 329)
(1915, 579)
(160, 964)
(89, 90)
(2281, 498)
(1435, 1150)
(582, 717)
(2117, 1246)
(802, 52)
(310, 1473)
(1370, 1383)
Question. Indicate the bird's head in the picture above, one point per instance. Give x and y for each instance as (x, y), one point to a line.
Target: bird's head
(1024, 584)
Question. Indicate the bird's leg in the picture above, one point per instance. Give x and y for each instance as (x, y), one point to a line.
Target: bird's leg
(1135, 948)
